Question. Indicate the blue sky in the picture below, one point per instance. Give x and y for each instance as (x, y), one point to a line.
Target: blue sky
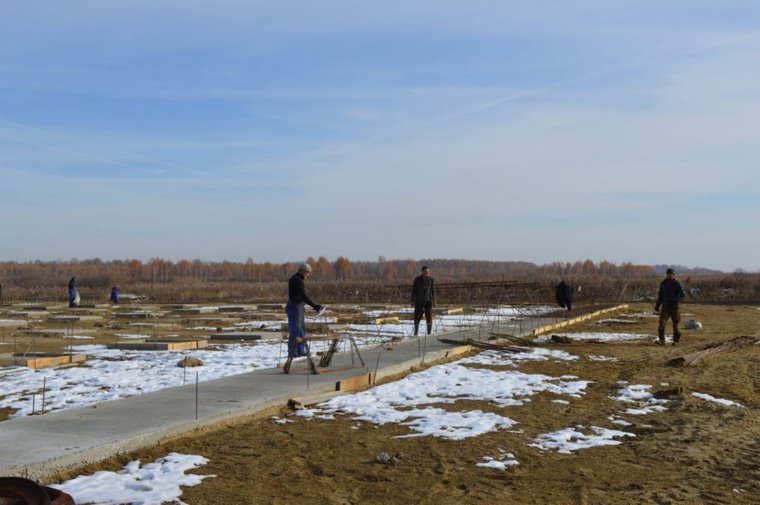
(499, 130)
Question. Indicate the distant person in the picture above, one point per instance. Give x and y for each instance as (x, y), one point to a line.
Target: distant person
(423, 299)
(564, 294)
(72, 291)
(1, 292)
(670, 296)
(115, 295)
(297, 301)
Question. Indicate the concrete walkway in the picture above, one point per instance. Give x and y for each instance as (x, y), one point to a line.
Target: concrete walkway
(38, 446)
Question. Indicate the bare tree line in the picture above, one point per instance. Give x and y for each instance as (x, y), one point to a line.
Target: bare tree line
(341, 280)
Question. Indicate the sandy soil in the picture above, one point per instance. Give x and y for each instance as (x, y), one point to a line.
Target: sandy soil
(695, 452)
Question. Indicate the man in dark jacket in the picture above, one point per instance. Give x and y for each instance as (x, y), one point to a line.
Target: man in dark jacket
(297, 300)
(670, 296)
(423, 299)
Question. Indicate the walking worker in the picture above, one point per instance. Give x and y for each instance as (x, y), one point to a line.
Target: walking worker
(115, 295)
(670, 296)
(423, 299)
(297, 300)
(72, 291)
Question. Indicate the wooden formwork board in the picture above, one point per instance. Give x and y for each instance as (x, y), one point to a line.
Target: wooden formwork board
(458, 350)
(42, 360)
(576, 320)
(131, 315)
(444, 311)
(354, 383)
(160, 345)
(386, 320)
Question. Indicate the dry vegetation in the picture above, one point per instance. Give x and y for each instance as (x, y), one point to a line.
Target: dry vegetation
(381, 281)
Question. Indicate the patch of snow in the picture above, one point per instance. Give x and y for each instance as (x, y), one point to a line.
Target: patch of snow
(570, 440)
(502, 462)
(157, 482)
(727, 403)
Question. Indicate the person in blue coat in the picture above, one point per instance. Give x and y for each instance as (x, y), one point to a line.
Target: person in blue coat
(115, 295)
(72, 291)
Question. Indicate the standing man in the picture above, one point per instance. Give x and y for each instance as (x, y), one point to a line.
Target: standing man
(114, 295)
(670, 296)
(423, 299)
(72, 291)
(297, 300)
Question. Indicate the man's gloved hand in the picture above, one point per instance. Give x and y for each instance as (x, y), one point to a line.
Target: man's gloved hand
(656, 309)
(318, 308)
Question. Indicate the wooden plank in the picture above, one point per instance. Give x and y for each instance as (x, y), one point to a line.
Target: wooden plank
(458, 310)
(385, 320)
(354, 383)
(43, 360)
(462, 349)
(576, 320)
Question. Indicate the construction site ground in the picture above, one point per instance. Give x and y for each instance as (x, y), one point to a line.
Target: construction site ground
(694, 452)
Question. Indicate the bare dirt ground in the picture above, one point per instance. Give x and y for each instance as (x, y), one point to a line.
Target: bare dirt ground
(695, 452)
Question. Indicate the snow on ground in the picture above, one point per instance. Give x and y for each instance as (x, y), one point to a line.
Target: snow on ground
(592, 357)
(110, 374)
(408, 401)
(157, 482)
(504, 359)
(709, 398)
(597, 336)
(502, 462)
(640, 395)
(130, 336)
(570, 440)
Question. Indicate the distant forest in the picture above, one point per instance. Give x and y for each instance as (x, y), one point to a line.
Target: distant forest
(103, 274)
(342, 280)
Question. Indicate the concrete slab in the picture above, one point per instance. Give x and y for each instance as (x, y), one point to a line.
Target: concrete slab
(64, 319)
(236, 308)
(38, 446)
(131, 315)
(159, 345)
(235, 336)
(12, 322)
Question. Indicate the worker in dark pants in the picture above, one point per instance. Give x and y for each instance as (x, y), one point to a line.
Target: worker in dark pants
(669, 297)
(294, 309)
(423, 299)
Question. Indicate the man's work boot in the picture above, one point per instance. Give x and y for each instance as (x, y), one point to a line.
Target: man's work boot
(416, 329)
(661, 339)
(430, 328)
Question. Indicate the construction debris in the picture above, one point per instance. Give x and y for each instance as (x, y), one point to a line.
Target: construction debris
(730, 345)
(483, 345)
(692, 324)
(561, 339)
(188, 362)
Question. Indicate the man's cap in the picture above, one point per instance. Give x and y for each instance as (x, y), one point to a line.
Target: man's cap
(425, 268)
(670, 271)
(304, 267)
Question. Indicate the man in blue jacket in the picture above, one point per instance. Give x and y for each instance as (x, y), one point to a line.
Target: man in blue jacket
(669, 297)
(297, 300)
(72, 291)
